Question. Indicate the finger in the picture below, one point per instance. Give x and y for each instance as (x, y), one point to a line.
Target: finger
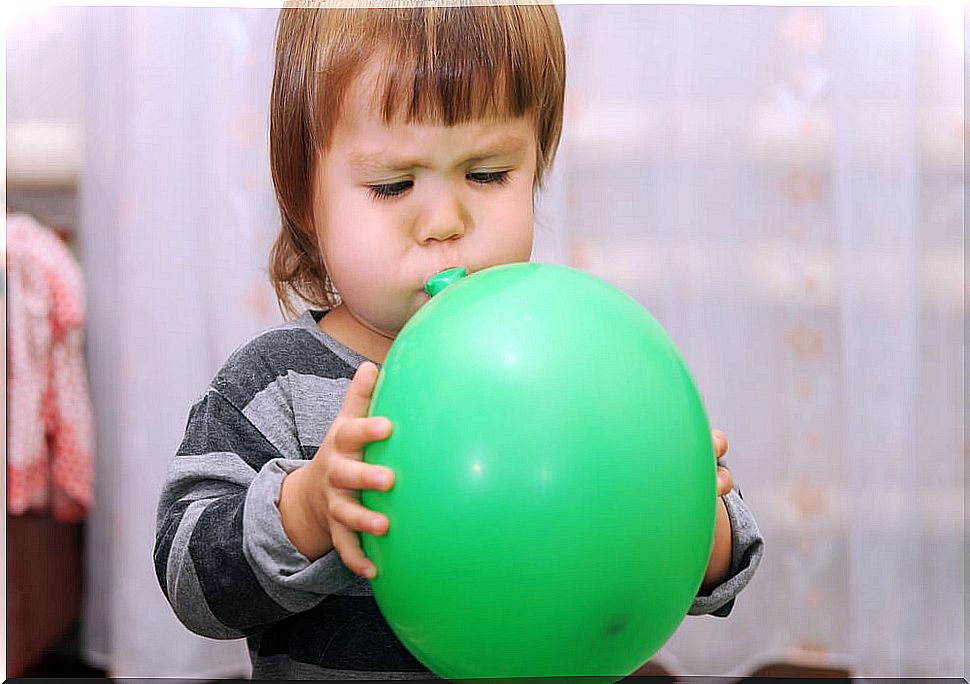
(347, 473)
(347, 511)
(357, 401)
(725, 481)
(354, 434)
(720, 443)
(348, 547)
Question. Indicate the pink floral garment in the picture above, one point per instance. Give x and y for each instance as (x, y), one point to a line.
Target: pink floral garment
(50, 433)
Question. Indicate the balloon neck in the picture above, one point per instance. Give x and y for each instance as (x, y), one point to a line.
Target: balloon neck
(440, 281)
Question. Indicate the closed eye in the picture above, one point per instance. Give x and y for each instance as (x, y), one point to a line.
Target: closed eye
(386, 190)
(489, 177)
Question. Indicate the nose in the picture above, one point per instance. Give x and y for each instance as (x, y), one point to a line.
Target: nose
(444, 217)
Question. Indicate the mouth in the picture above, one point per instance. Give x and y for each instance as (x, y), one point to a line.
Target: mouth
(434, 273)
(463, 271)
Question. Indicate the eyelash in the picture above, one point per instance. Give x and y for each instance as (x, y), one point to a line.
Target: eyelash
(390, 190)
(489, 177)
(387, 190)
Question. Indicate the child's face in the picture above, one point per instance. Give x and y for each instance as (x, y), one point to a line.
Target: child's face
(395, 204)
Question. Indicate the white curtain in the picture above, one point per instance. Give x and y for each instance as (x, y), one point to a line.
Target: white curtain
(782, 187)
(177, 216)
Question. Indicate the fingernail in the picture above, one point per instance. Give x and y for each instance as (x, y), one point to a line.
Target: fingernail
(377, 524)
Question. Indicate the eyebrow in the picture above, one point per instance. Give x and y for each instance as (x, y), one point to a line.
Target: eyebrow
(379, 161)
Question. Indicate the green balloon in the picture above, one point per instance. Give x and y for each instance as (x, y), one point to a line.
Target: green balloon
(553, 509)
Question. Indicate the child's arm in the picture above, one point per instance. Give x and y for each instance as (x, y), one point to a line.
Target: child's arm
(719, 564)
(738, 545)
(747, 549)
(221, 555)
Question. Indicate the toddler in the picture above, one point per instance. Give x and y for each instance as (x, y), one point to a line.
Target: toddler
(403, 141)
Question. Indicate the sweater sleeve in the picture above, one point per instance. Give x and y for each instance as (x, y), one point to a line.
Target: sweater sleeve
(747, 548)
(221, 556)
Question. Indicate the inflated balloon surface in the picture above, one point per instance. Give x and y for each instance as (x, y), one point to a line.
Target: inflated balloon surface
(553, 510)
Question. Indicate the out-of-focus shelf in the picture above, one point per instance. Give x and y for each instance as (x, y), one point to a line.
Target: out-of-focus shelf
(52, 205)
(44, 585)
(44, 155)
(43, 170)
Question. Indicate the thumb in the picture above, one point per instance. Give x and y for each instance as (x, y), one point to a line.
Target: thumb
(357, 400)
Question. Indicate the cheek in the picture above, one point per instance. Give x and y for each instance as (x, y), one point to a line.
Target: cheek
(519, 223)
(353, 264)
(346, 240)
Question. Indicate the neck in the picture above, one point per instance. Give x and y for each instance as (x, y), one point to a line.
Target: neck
(344, 327)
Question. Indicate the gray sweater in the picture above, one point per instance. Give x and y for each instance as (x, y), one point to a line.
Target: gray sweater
(222, 558)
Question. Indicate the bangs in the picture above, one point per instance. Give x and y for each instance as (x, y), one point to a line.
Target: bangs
(450, 65)
(445, 65)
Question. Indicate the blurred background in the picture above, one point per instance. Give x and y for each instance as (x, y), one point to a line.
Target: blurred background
(781, 186)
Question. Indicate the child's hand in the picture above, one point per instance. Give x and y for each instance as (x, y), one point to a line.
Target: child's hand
(323, 504)
(724, 480)
(719, 564)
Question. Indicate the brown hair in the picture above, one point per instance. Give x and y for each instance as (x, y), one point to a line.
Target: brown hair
(445, 64)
